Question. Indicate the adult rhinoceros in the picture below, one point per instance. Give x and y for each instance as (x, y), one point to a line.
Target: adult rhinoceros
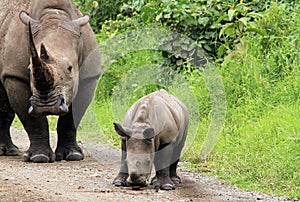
(49, 64)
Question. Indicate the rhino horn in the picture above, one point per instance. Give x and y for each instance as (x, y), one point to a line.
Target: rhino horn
(34, 55)
(41, 73)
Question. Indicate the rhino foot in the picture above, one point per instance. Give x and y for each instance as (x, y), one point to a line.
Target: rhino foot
(167, 187)
(10, 150)
(121, 180)
(162, 183)
(49, 157)
(69, 154)
(176, 179)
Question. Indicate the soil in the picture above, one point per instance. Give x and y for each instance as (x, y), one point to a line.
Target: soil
(91, 180)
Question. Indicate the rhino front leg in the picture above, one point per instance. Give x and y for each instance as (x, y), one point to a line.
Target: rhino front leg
(39, 150)
(6, 145)
(67, 147)
(36, 127)
(121, 179)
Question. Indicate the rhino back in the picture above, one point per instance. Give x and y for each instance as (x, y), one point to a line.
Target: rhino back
(14, 56)
(163, 112)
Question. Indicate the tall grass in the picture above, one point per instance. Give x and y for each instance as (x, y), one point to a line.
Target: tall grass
(260, 144)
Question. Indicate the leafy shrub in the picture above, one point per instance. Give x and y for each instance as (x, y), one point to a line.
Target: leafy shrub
(215, 25)
(99, 11)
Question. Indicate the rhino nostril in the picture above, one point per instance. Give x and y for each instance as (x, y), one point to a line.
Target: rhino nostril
(63, 107)
(134, 176)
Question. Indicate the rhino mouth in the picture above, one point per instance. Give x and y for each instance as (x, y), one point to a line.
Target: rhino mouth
(138, 184)
(137, 180)
(47, 104)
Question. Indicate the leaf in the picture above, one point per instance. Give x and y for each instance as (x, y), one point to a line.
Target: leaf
(95, 4)
(244, 20)
(207, 47)
(168, 15)
(221, 50)
(221, 18)
(258, 31)
(203, 21)
(146, 13)
(158, 17)
(230, 14)
(252, 14)
(228, 25)
(229, 31)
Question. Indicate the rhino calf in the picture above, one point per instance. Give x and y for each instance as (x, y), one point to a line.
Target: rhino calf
(154, 130)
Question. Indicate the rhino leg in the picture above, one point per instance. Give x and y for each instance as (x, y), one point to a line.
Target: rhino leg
(121, 179)
(39, 150)
(162, 163)
(173, 173)
(36, 127)
(67, 147)
(176, 155)
(6, 145)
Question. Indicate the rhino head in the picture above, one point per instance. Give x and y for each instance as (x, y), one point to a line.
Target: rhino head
(54, 69)
(140, 150)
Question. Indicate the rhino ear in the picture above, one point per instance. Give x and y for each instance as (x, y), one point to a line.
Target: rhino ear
(148, 133)
(121, 131)
(25, 18)
(82, 21)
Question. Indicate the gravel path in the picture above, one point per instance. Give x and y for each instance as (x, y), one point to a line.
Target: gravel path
(91, 180)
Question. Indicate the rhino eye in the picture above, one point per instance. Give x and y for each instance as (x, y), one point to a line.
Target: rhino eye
(70, 68)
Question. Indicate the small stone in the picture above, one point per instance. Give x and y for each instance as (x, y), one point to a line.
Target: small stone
(169, 198)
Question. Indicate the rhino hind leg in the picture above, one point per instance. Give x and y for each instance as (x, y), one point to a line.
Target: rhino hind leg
(173, 173)
(162, 163)
(7, 148)
(175, 157)
(67, 147)
(162, 180)
(173, 167)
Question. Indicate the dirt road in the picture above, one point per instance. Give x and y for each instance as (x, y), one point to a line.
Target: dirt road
(91, 180)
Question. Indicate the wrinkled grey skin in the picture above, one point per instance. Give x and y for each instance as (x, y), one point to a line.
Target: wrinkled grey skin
(49, 64)
(153, 131)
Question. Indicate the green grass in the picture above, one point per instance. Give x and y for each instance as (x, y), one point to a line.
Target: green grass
(259, 148)
(263, 154)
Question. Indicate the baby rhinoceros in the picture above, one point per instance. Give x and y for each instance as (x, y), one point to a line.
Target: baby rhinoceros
(153, 132)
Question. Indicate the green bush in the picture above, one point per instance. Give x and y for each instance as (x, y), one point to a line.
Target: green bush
(215, 25)
(256, 50)
(99, 11)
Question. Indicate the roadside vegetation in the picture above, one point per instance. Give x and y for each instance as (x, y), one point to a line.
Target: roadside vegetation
(255, 46)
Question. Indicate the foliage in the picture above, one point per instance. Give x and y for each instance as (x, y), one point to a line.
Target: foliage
(99, 11)
(258, 150)
(256, 46)
(215, 25)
